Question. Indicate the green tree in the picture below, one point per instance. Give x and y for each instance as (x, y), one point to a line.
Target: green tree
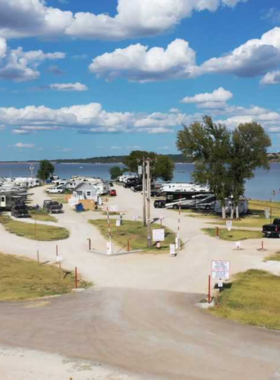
(136, 157)
(46, 170)
(224, 160)
(116, 172)
(163, 168)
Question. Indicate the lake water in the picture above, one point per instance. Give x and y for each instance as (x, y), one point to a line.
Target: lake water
(261, 187)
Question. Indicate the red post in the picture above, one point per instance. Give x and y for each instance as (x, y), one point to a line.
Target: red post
(209, 289)
(76, 277)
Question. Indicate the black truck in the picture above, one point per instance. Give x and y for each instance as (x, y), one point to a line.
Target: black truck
(53, 207)
(272, 230)
(20, 211)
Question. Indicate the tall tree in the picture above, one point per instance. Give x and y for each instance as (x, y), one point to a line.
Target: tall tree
(161, 166)
(224, 160)
(116, 172)
(46, 170)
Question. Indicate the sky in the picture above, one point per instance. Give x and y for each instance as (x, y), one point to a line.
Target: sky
(94, 78)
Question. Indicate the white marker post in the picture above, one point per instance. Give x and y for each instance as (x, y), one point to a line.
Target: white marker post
(229, 225)
(173, 250)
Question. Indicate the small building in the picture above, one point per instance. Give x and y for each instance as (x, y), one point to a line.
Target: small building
(85, 191)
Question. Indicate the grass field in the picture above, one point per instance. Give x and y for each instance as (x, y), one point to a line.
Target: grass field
(253, 299)
(42, 216)
(275, 257)
(28, 230)
(135, 233)
(58, 198)
(23, 278)
(234, 235)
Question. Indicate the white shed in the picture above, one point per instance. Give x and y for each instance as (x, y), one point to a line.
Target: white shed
(85, 191)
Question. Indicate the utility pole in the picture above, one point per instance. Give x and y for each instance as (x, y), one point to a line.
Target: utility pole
(144, 192)
(149, 235)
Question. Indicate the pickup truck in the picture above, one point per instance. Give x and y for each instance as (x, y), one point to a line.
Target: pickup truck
(53, 207)
(20, 211)
(56, 190)
(272, 230)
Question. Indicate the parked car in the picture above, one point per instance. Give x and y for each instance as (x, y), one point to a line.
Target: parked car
(113, 192)
(53, 207)
(56, 190)
(20, 211)
(159, 203)
(272, 230)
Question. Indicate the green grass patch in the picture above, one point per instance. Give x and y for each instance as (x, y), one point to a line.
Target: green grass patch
(42, 216)
(39, 232)
(274, 257)
(135, 233)
(24, 279)
(253, 299)
(58, 198)
(233, 235)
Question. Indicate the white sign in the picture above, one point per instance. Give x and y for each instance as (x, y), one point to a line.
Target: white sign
(114, 208)
(118, 223)
(238, 245)
(109, 249)
(59, 259)
(220, 269)
(229, 224)
(159, 235)
(135, 218)
(140, 170)
(172, 250)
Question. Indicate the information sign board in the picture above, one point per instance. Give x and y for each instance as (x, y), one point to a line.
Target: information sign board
(159, 235)
(220, 269)
(229, 224)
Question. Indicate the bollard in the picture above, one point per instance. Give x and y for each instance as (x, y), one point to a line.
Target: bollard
(38, 256)
(158, 245)
(262, 248)
(89, 244)
(76, 277)
(217, 232)
(59, 264)
(209, 289)
(128, 246)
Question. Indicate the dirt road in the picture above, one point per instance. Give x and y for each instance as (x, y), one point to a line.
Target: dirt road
(156, 334)
(140, 317)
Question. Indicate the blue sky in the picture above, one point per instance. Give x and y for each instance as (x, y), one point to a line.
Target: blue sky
(97, 78)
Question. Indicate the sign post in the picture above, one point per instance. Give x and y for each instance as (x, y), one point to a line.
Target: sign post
(229, 225)
(220, 270)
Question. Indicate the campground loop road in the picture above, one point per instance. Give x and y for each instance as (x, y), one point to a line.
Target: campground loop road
(156, 334)
(141, 314)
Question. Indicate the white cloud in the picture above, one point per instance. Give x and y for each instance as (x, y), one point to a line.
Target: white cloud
(174, 110)
(272, 14)
(89, 118)
(69, 87)
(217, 99)
(137, 63)
(25, 18)
(251, 59)
(272, 77)
(21, 145)
(18, 65)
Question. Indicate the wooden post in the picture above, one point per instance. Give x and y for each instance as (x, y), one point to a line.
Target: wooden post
(217, 232)
(89, 244)
(128, 246)
(209, 289)
(144, 192)
(38, 256)
(76, 277)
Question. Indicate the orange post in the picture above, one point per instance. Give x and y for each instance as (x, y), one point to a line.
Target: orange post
(209, 289)
(76, 277)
